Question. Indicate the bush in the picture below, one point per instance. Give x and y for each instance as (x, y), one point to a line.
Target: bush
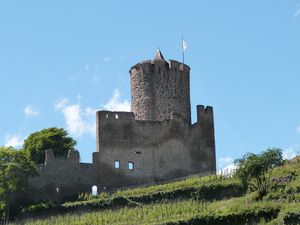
(255, 170)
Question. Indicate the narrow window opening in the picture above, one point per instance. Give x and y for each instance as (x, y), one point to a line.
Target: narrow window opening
(117, 164)
(117, 117)
(94, 190)
(137, 152)
(130, 165)
(106, 116)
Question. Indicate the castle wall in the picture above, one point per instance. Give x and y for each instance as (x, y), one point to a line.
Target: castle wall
(156, 139)
(62, 177)
(159, 149)
(159, 88)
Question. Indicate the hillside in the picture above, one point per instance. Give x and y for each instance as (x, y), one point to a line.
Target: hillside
(195, 200)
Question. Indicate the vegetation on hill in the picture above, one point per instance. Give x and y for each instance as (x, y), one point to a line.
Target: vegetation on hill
(255, 170)
(213, 199)
(17, 165)
(15, 168)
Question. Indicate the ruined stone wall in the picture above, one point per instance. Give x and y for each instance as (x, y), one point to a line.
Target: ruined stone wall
(62, 177)
(159, 88)
(159, 149)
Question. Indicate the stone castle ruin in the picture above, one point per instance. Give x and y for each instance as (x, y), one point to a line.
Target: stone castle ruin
(154, 142)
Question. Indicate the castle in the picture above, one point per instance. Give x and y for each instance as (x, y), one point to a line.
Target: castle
(154, 142)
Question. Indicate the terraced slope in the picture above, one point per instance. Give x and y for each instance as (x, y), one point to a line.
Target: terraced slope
(196, 200)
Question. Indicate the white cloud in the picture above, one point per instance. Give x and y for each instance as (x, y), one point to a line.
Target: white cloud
(31, 111)
(107, 59)
(225, 165)
(297, 13)
(79, 121)
(291, 151)
(115, 104)
(96, 78)
(61, 104)
(13, 140)
(298, 129)
(223, 162)
(83, 71)
(228, 170)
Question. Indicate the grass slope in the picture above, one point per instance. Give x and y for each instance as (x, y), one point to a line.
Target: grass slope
(206, 200)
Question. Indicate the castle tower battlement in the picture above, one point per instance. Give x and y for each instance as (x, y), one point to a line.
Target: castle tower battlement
(160, 88)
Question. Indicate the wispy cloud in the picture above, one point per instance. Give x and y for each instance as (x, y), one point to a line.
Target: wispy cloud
(298, 129)
(31, 111)
(297, 13)
(107, 59)
(81, 120)
(291, 151)
(225, 165)
(13, 140)
(78, 121)
(84, 69)
(115, 104)
(225, 161)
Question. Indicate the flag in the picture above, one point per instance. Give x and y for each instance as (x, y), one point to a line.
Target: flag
(184, 45)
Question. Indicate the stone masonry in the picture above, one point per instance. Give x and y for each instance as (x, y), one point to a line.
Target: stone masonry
(154, 142)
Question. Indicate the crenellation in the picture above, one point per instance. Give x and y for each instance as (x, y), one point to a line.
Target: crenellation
(73, 156)
(204, 113)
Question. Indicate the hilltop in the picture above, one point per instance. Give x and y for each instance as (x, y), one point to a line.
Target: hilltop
(214, 199)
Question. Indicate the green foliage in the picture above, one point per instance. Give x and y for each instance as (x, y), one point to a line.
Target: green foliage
(189, 183)
(38, 207)
(196, 200)
(233, 211)
(255, 170)
(89, 196)
(15, 168)
(51, 138)
(200, 188)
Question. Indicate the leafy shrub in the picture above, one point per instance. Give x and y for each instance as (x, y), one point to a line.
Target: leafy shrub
(255, 170)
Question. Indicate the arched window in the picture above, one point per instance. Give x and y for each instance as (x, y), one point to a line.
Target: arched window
(94, 190)
(130, 165)
(117, 164)
(106, 116)
(117, 117)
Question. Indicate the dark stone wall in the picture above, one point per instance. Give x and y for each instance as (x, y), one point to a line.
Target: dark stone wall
(159, 150)
(159, 88)
(61, 177)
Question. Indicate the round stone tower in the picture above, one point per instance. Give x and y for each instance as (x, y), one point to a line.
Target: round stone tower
(160, 88)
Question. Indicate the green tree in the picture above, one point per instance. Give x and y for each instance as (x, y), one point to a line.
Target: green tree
(255, 170)
(15, 169)
(51, 138)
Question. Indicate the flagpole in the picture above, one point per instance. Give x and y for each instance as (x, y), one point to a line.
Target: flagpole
(182, 51)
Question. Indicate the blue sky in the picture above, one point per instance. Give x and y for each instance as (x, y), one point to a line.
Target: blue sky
(62, 60)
